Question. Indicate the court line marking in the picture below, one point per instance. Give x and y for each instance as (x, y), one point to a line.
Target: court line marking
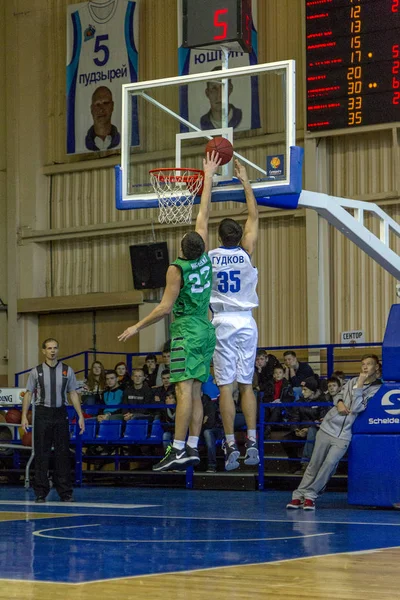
(42, 533)
(188, 572)
(72, 504)
(172, 517)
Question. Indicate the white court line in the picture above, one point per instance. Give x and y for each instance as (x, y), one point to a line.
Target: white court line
(42, 533)
(81, 504)
(173, 517)
(189, 572)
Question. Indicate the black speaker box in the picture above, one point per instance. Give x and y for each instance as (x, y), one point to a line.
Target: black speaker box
(149, 265)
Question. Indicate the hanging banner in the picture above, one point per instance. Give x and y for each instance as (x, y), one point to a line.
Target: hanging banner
(102, 42)
(200, 102)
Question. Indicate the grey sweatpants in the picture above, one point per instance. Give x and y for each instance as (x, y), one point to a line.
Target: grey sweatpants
(328, 451)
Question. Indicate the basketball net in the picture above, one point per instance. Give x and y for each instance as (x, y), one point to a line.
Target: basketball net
(176, 190)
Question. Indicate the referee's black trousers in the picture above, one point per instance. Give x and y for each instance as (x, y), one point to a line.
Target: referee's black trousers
(51, 429)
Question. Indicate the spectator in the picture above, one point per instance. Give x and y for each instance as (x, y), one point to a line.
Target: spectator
(280, 391)
(95, 384)
(138, 393)
(334, 384)
(166, 364)
(295, 371)
(167, 419)
(334, 436)
(212, 431)
(112, 396)
(124, 379)
(150, 370)
(305, 421)
(264, 369)
(160, 393)
(341, 375)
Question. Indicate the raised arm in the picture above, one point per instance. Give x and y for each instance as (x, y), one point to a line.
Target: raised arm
(171, 293)
(250, 233)
(210, 166)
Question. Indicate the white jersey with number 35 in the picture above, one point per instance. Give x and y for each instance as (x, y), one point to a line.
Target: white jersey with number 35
(234, 280)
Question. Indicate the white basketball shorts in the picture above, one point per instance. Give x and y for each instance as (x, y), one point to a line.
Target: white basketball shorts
(236, 347)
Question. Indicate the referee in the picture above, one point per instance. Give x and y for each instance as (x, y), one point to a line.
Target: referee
(51, 381)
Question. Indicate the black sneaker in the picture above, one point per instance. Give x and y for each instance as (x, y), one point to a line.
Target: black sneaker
(67, 498)
(232, 454)
(174, 459)
(40, 500)
(211, 469)
(252, 456)
(193, 454)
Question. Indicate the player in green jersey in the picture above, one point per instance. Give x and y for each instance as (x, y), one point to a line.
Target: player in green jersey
(187, 294)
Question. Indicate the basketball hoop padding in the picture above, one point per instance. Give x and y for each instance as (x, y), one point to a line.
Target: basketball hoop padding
(176, 189)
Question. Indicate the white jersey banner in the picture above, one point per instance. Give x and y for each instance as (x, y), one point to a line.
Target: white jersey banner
(196, 100)
(102, 42)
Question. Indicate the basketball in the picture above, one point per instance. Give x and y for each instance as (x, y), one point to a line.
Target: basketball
(13, 416)
(27, 438)
(223, 147)
(29, 415)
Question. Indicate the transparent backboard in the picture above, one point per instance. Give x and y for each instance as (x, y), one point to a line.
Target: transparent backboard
(253, 107)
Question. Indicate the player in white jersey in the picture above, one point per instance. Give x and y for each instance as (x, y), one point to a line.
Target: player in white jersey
(233, 297)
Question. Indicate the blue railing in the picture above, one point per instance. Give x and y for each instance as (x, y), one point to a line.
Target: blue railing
(325, 366)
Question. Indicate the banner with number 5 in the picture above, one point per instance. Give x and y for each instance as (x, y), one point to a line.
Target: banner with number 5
(102, 43)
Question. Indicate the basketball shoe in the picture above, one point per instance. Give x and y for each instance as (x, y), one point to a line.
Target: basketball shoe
(231, 454)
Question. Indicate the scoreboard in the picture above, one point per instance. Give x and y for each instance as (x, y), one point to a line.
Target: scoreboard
(353, 63)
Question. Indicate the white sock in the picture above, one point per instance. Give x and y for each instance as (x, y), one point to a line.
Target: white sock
(230, 439)
(252, 434)
(178, 445)
(193, 441)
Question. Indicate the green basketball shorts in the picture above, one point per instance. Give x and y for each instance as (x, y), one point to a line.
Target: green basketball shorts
(192, 348)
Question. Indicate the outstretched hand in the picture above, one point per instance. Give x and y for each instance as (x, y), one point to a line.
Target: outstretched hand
(211, 163)
(241, 172)
(129, 332)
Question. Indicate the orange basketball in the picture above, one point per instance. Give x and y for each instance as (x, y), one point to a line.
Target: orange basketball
(29, 415)
(13, 416)
(27, 438)
(223, 147)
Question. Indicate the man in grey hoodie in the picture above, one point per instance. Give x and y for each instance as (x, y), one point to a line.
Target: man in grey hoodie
(335, 433)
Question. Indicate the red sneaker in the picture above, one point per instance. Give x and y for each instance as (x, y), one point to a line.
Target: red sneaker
(295, 504)
(309, 504)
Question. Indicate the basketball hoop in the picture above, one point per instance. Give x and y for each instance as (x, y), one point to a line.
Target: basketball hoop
(176, 190)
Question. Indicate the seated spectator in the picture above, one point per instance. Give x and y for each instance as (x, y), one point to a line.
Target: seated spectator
(281, 391)
(160, 393)
(264, 370)
(124, 379)
(165, 364)
(138, 393)
(305, 421)
(112, 396)
(341, 375)
(150, 370)
(167, 418)
(334, 385)
(94, 385)
(295, 371)
(212, 430)
(334, 435)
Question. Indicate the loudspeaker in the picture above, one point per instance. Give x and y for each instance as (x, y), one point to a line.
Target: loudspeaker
(149, 265)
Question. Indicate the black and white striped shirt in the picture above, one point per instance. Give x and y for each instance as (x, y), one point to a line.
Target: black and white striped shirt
(50, 385)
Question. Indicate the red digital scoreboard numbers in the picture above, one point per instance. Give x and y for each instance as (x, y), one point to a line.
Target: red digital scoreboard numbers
(353, 63)
(217, 22)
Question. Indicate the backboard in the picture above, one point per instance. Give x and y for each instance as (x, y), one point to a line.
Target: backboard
(252, 106)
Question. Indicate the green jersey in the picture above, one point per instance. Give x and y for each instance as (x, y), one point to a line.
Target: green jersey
(194, 297)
